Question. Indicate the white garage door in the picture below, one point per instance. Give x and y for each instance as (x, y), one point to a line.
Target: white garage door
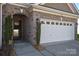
(52, 31)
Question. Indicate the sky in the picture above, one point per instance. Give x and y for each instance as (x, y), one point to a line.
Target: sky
(77, 4)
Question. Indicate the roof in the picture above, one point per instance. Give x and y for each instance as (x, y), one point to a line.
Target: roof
(66, 7)
(62, 9)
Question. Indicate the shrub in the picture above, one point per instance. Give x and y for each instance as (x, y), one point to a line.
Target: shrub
(77, 35)
(8, 29)
(38, 33)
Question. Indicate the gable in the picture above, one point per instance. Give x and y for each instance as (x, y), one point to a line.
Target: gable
(60, 6)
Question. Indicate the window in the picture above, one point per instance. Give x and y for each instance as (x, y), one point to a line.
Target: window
(48, 22)
(70, 24)
(67, 24)
(64, 23)
(56, 23)
(16, 32)
(42, 22)
(52, 22)
(16, 23)
(60, 23)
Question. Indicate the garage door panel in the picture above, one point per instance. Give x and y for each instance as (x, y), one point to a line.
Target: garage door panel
(53, 33)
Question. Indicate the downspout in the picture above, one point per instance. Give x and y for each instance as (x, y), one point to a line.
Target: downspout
(1, 26)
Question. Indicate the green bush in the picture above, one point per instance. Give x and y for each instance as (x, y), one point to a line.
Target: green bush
(77, 35)
(38, 33)
(8, 29)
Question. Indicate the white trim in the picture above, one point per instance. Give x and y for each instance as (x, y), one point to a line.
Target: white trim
(70, 7)
(53, 11)
(1, 28)
(42, 3)
(19, 5)
(38, 10)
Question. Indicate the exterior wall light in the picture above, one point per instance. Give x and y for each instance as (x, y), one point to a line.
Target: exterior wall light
(21, 10)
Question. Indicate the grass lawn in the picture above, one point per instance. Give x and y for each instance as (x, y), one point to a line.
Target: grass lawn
(78, 37)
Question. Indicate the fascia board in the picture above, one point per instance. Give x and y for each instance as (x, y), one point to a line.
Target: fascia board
(53, 11)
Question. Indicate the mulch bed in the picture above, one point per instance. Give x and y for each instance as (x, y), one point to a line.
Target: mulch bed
(1, 52)
(9, 51)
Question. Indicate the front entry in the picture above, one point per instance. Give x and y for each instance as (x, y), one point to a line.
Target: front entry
(18, 31)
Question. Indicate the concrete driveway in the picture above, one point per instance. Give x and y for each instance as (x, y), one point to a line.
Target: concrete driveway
(65, 48)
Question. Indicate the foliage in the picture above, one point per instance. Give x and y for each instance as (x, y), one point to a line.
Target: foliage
(8, 29)
(38, 33)
(77, 36)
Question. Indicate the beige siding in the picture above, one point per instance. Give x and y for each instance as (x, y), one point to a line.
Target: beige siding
(59, 6)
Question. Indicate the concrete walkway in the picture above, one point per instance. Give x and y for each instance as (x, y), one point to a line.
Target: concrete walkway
(25, 49)
(67, 48)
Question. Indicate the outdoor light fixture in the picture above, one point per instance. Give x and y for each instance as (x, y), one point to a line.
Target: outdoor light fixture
(61, 18)
(21, 10)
